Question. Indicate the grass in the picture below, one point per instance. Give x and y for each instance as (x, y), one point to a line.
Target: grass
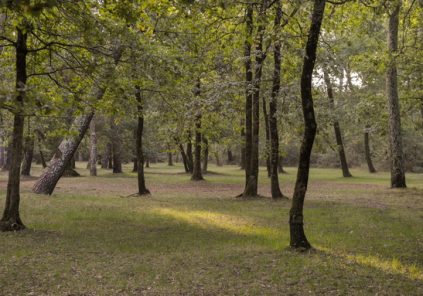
(195, 238)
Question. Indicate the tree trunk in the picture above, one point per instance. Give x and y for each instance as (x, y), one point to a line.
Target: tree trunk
(184, 156)
(63, 155)
(169, 157)
(2, 149)
(248, 93)
(336, 127)
(280, 166)
(142, 189)
(367, 150)
(135, 168)
(42, 158)
(105, 160)
(28, 155)
(93, 149)
(147, 162)
(11, 220)
(230, 156)
(116, 147)
(252, 184)
(196, 173)
(267, 130)
(397, 155)
(242, 158)
(7, 162)
(206, 154)
(273, 106)
(189, 154)
(298, 239)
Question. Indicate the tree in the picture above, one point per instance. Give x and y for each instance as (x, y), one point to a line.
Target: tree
(395, 137)
(296, 218)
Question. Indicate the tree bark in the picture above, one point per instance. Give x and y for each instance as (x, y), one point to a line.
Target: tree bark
(367, 150)
(273, 106)
(230, 156)
(42, 158)
(397, 155)
(93, 148)
(206, 154)
(298, 239)
(7, 162)
(248, 93)
(169, 157)
(189, 154)
(142, 189)
(197, 173)
(11, 220)
(340, 145)
(105, 160)
(252, 184)
(183, 155)
(116, 147)
(28, 155)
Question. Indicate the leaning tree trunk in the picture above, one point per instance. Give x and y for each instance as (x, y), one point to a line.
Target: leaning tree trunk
(142, 189)
(206, 154)
(298, 239)
(28, 155)
(336, 127)
(397, 155)
(63, 155)
(183, 155)
(93, 148)
(273, 106)
(367, 150)
(116, 148)
(11, 220)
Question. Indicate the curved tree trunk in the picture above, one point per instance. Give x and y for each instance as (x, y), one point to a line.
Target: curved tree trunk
(142, 189)
(298, 239)
(273, 105)
(367, 150)
(93, 149)
(28, 155)
(11, 220)
(336, 127)
(397, 155)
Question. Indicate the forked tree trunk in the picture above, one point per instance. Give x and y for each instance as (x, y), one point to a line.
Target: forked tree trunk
(273, 106)
(142, 189)
(28, 156)
(93, 149)
(205, 154)
(340, 145)
(298, 238)
(367, 150)
(63, 155)
(11, 220)
(397, 155)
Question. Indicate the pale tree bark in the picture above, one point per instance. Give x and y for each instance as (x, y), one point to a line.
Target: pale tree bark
(395, 137)
(298, 239)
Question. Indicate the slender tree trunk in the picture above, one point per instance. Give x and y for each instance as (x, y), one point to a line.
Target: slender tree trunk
(2, 149)
(196, 173)
(397, 155)
(252, 184)
(206, 154)
(296, 219)
(11, 220)
(169, 157)
(93, 149)
(147, 161)
(189, 154)
(42, 158)
(116, 148)
(106, 157)
(336, 127)
(230, 156)
(142, 189)
(248, 93)
(267, 130)
(273, 106)
(280, 166)
(183, 155)
(28, 155)
(367, 150)
(7, 162)
(242, 158)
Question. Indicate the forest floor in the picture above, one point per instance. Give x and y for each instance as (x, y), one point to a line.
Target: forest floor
(195, 238)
